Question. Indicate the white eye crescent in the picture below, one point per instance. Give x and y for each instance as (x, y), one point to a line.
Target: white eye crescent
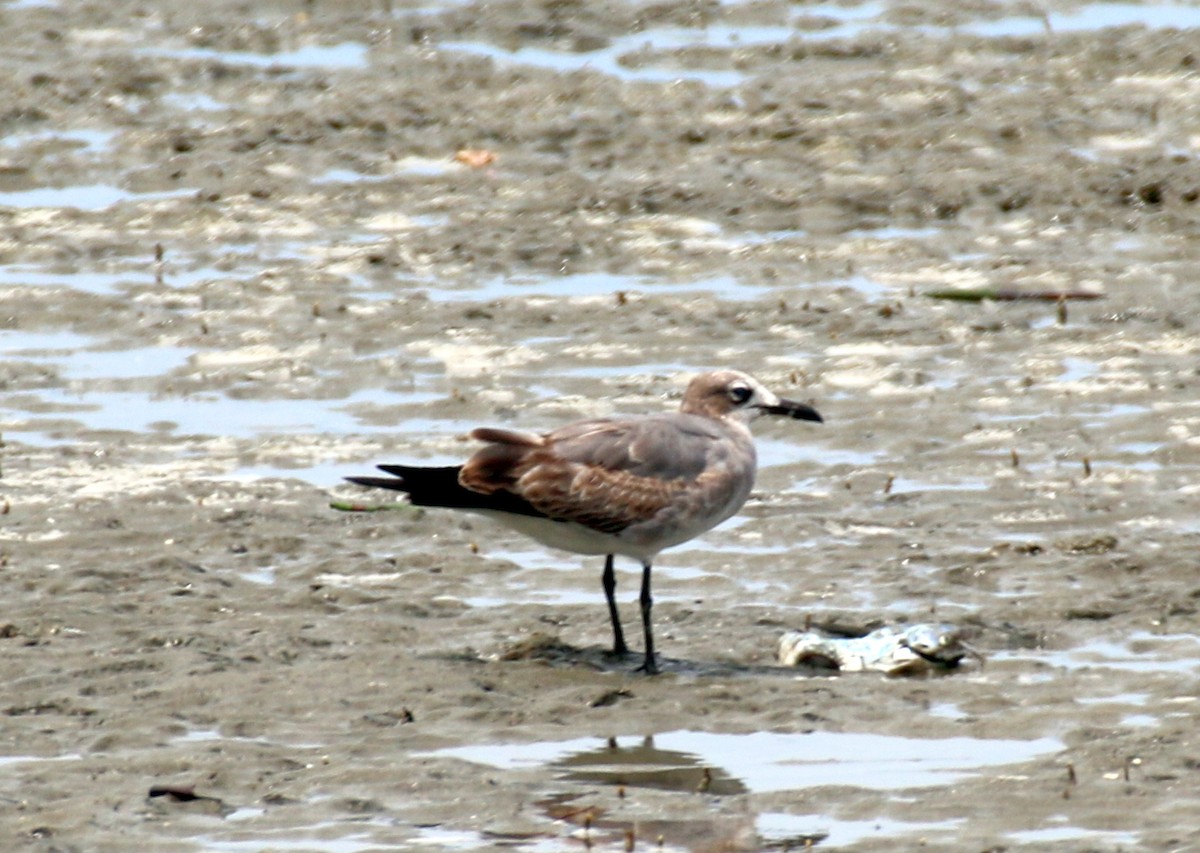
(739, 394)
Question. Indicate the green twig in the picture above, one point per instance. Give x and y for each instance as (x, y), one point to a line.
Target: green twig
(348, 506)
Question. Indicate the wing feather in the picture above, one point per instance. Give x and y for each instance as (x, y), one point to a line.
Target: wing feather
(604, 474)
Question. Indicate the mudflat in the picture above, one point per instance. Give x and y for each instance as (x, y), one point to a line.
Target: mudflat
(248, 249)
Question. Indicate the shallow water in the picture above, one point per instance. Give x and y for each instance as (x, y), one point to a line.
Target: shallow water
(1141, 652)
(85, 282)
(89, 140)
(348, 55)
(762, 762)
(92, 197)
(590, 286)
(626, 58)
(201, 414)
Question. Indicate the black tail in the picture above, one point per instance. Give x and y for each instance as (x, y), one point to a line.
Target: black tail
(440, 487)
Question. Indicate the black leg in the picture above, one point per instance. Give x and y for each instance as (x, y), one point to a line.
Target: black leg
(610, 584)
(649, 666)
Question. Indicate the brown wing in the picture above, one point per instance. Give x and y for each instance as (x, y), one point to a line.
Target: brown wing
(604, 474)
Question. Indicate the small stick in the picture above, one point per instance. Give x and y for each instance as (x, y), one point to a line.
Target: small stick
(349, 506)
(1004, 294)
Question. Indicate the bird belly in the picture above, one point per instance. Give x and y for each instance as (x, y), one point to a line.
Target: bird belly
(666, 534)
(564, 535)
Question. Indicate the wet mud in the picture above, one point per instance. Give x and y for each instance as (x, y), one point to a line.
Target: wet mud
(248, 249)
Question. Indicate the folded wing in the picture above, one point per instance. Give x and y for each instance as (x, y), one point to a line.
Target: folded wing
(571, 474)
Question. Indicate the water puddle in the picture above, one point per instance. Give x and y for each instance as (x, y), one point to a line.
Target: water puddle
(442, 837)
(40, 345)
(418, 167)
(89, 140)
(891, 233)
(804, 448)
(907, 485)
(10, 760)
(542, 576)
(345, 176)
(262, 577)
(201, 414)
(1107, 416)
(947, 711)
(833, 20)
(761, 762)
(1138, 456)
(648, 56)
(91, 198)
(1166, 654)
(1138, 720)
(1093, 17)
(762, 238)
(592, 284)
(198, 736)
(774, 830)
(139, 362)
(554, 578)
(517, 591)
(859, 284)
(662, 55)
(347, 55)
(1077, 370)
(628, 372)
(1136, 699)
(778, 829)
(1089, 837)
(109, 282)
(323, 474)
(195, 102)
(750, 546)
(193, 736)
(425, 167)
(86, 282)
(342, 842)
(539, 558)
(605, 61)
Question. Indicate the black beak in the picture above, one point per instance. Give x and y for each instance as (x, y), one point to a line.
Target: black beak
(792, 409)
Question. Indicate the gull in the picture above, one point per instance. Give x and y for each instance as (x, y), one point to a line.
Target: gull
(631, 486)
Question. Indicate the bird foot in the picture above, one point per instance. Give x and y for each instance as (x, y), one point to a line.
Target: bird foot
(648, 666)
(619, 650)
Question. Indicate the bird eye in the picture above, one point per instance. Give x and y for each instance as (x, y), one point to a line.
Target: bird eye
(739, 394)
